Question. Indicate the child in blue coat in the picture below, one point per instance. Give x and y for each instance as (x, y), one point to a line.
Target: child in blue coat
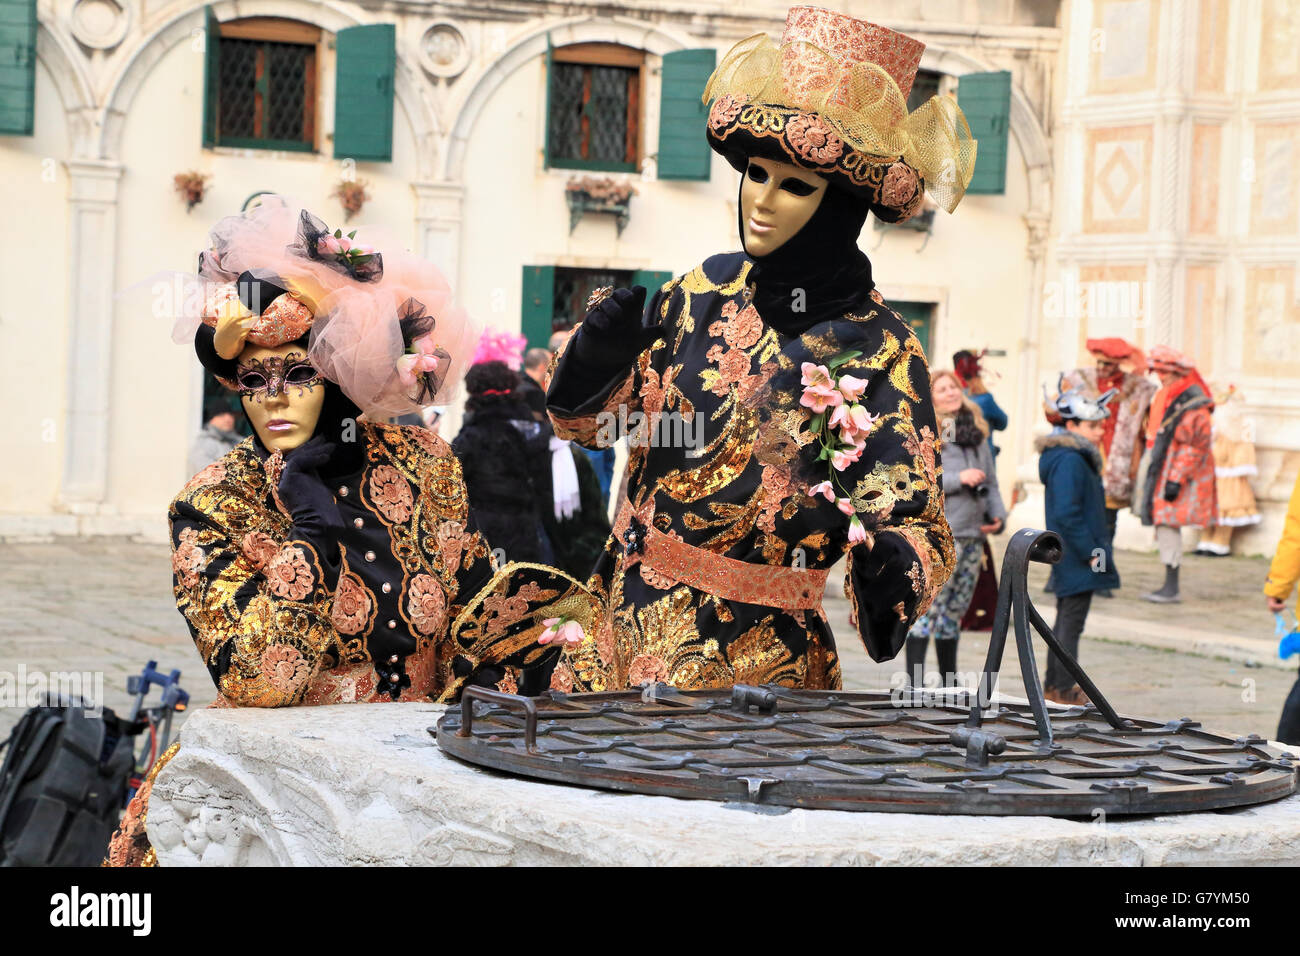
(1070, 465)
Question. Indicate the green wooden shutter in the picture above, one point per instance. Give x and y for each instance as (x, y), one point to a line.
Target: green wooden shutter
(985, 98)
(366, 60)
(918, 316)
(538, 305)
(684, 151)
(652, 280)
(550, 77)
(211, 75)
(18, 67)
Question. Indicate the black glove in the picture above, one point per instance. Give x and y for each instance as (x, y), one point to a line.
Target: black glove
(311, 504)
(1171, 490)
(613, 334)
(883, 589)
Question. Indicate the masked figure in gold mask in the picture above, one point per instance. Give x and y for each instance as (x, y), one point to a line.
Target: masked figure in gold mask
(327, 558)
(786, 412)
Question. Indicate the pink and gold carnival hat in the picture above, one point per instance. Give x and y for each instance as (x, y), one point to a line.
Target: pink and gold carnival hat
(831, 97)
(380, 321)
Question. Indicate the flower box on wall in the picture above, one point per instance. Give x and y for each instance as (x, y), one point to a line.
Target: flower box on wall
(598, 194)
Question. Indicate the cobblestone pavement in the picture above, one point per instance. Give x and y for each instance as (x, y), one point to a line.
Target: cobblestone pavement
(104, 605)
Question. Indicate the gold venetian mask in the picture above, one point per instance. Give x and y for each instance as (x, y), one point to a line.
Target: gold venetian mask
(282, 394)
(776, 201)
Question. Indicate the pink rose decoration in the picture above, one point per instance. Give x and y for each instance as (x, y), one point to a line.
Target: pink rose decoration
(289, 574)
(284, 667)
(857, 533)
(411, 364)
(725, 109)
(562, 631)
(814, 140)
(824, 489)
(427, 604)
(853, 421)
(646, 669)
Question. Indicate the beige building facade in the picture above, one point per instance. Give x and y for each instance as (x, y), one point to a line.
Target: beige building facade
(1177, 204)
(103, 406)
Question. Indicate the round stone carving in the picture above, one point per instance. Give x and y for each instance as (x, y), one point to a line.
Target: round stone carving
(99, 24)
(443, 50)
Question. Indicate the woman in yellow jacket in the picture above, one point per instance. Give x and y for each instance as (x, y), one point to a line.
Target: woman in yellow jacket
(1283, 574)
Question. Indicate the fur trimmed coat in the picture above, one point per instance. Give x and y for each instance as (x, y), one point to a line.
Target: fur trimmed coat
(1075, 508)
(1182, 453)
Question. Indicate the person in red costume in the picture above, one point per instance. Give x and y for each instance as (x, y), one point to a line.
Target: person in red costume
(1120, 365)
(1176, 485)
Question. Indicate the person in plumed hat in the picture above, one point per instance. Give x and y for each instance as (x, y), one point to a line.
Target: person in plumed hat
(819, 435)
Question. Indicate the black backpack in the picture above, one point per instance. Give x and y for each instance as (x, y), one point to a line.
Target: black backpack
(62, 785)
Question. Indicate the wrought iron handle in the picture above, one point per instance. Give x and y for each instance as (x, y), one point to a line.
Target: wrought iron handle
(526, 704)
(743, 695)
(978, 743)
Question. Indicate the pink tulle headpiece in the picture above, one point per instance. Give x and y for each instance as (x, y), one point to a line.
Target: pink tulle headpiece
(383, 325)
(497, 346)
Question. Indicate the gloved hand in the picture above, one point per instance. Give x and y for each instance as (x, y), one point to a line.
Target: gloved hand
(613, 334)
(1171, 490)
(884, 593)
(310, 503)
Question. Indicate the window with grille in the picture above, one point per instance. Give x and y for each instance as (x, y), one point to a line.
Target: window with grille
(266, 92)
(574, 286)
(594, 107)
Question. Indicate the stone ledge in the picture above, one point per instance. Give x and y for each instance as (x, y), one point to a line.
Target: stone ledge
(365, 784)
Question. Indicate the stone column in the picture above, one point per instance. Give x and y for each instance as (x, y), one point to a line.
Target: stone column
(438, 211)
(92, 259)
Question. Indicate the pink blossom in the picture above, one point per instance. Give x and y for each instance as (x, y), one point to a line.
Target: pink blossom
(820, 397)
(344, 243)
(563, 630)
(853, 421)
(857, 533)
(844, 505)
(364, 249)
(852, 387)
(816, 375)
(843, 457)
(329, 245)
(824, 489)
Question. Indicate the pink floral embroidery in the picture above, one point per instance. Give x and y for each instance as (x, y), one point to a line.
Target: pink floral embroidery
(814, 140)
(188, 558)
(451, 543)
(562, 679)
(900, 186)
(733, 367)
(426, 604)
(508, 684)
(744, 329)
(605, 641)
(210, 475)
(289, 574)
(657, 578)
(284, 667)
(391, 494)
(427, 440)
(646, 669)
(352, 605)
(725, 109)
(259, 548)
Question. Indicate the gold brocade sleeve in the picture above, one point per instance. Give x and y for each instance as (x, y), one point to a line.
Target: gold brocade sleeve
(897, 492)
(258, 609)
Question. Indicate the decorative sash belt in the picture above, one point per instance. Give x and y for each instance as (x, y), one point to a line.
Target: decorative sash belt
(766, 585)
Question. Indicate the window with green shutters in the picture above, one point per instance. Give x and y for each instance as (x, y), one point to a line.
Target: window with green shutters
(593, 107)
(366, 63)
(17, 67)
(259, 83)
(985, 98)
(684, 151)
(555, 297)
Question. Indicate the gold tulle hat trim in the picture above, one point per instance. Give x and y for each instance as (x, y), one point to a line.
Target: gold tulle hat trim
(833, 116)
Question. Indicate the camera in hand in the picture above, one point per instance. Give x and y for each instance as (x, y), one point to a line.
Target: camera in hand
(981, 491)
